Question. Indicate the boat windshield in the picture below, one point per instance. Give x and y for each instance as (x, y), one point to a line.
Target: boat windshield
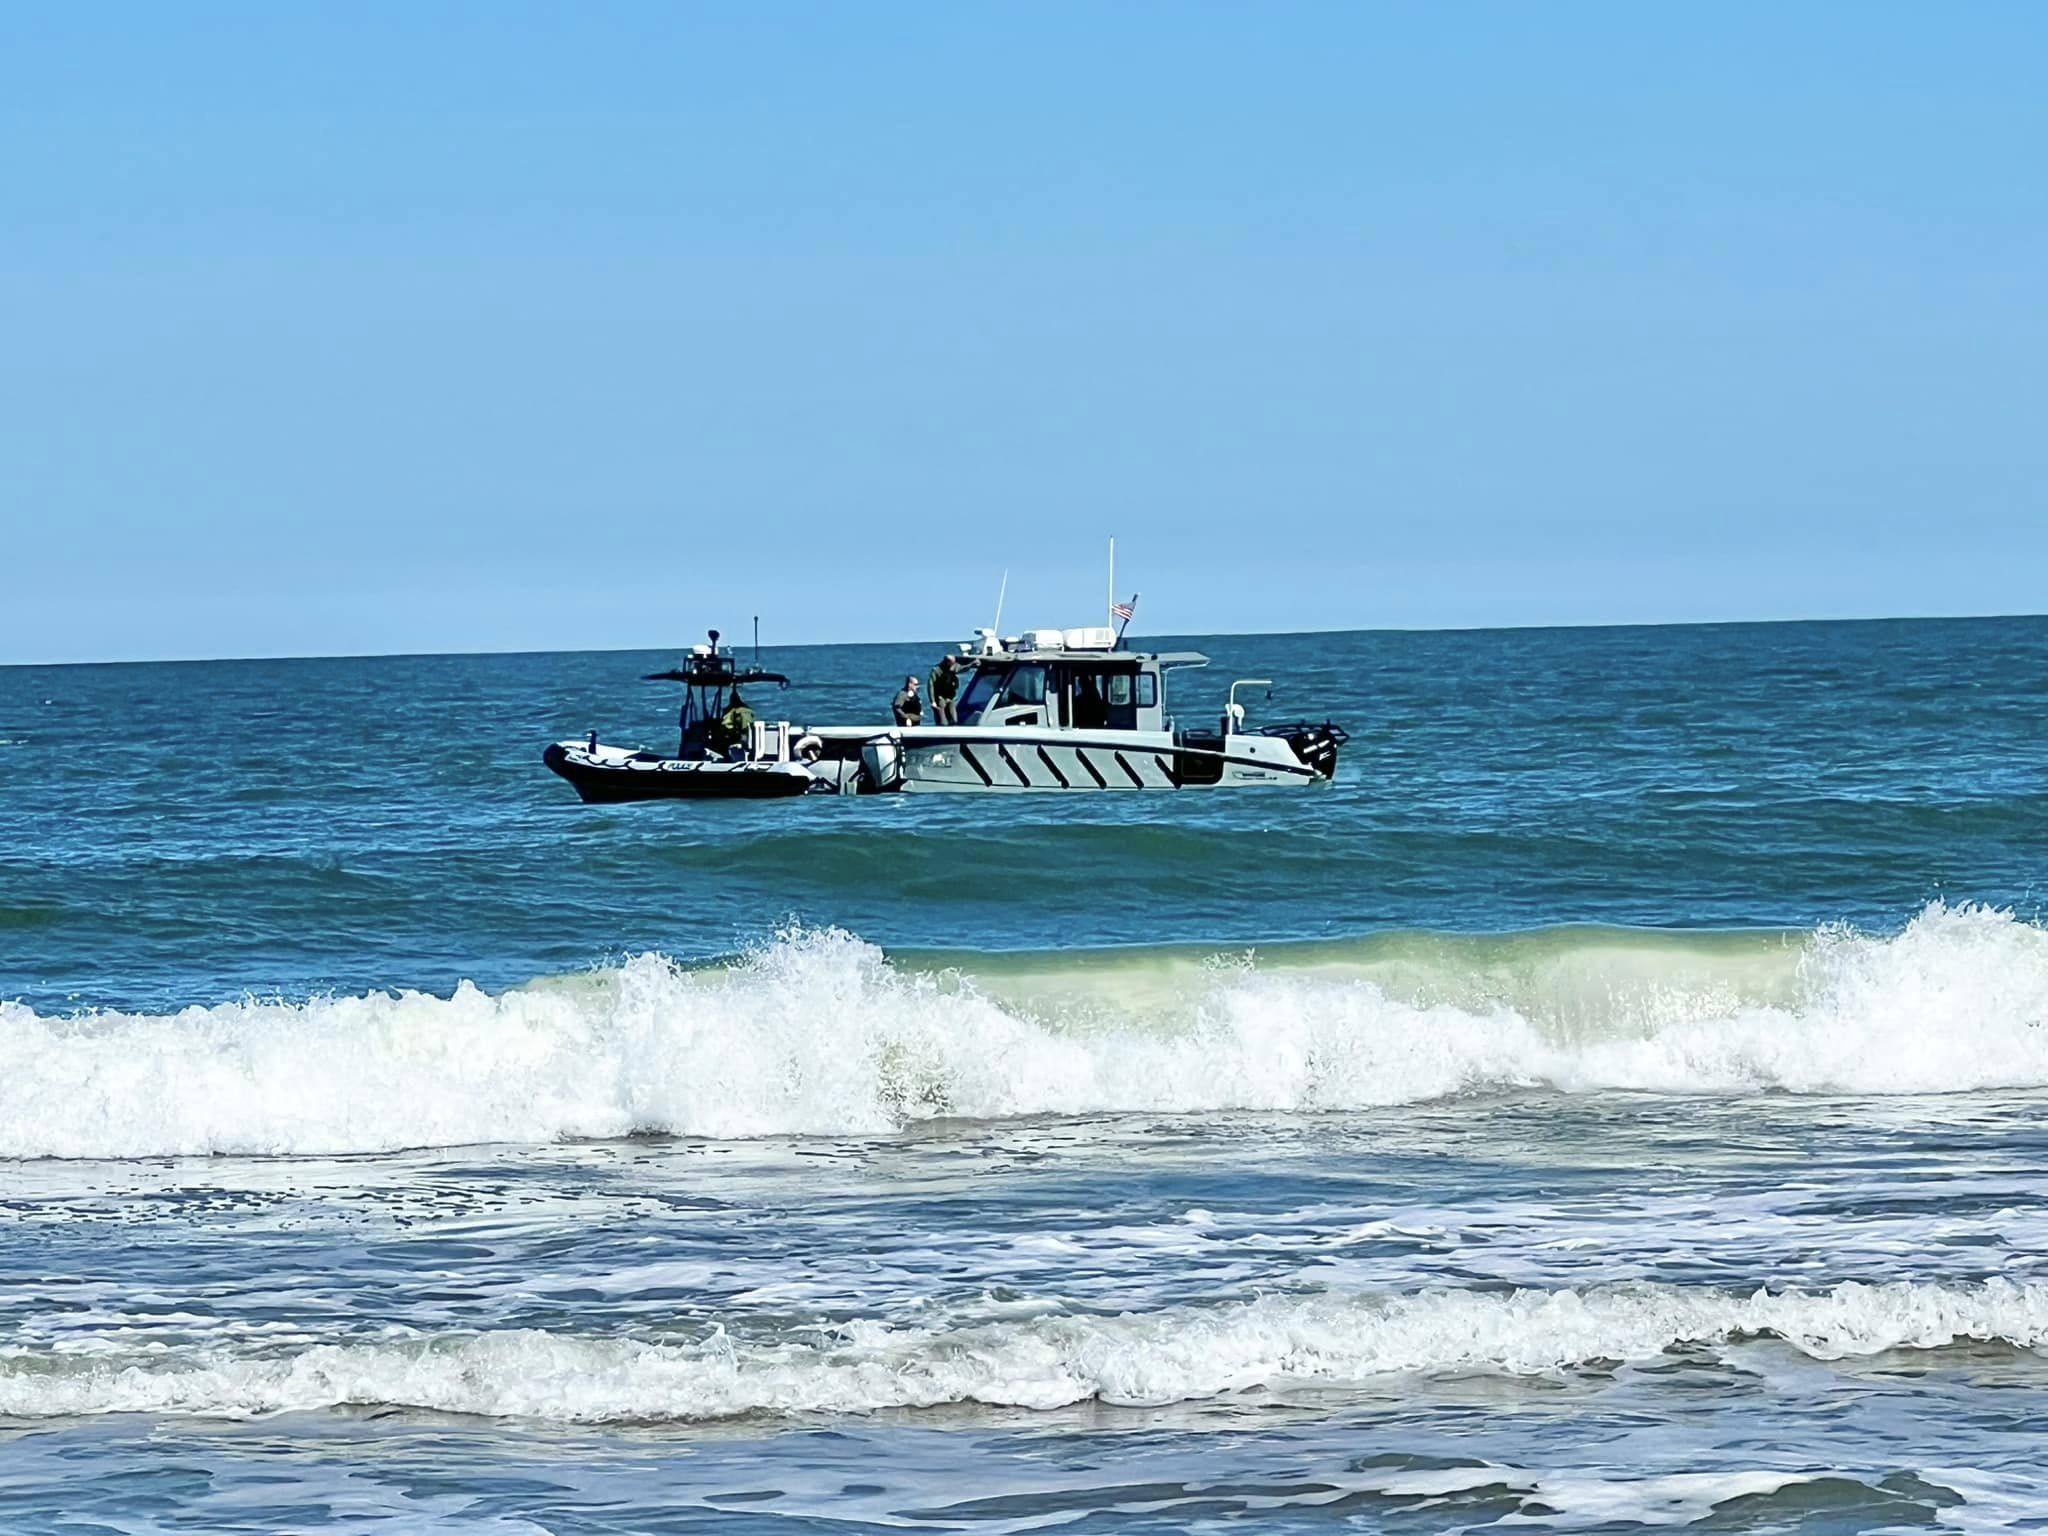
(981, 690)
(1001, 683)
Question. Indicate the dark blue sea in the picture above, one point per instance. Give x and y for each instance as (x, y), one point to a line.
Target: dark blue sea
(1616, 1101)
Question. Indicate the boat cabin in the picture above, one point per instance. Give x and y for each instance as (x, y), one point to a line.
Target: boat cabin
(1069, 680)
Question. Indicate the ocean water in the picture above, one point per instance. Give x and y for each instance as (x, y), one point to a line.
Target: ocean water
(1617, 1101)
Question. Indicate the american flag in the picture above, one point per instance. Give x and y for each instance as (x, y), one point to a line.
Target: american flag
(1123, 610)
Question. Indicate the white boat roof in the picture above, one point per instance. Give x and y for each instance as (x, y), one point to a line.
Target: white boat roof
(1163, 658)
(1081, 645)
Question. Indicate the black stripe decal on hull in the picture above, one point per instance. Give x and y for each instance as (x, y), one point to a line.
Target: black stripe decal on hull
(974, 762)
(1022, 777)
(1166, 769)
(1045, 757)
(1129, 772)
(1094, 772)
(1232, 758)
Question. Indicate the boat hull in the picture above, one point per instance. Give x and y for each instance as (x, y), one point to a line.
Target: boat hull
(611, 775)
(960, 760)
(971, 760)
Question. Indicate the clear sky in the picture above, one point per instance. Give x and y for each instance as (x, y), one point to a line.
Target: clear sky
(390, 326)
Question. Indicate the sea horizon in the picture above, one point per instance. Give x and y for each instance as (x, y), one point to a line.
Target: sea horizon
(742, 644)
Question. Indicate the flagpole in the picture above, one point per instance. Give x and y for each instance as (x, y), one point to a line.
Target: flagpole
(1110, 612)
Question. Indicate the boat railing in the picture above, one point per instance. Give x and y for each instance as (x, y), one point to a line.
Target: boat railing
(1233, 712)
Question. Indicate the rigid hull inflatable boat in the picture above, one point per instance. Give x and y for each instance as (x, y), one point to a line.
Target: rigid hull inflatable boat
(717, 756)
(606, 774)
(1053, 710)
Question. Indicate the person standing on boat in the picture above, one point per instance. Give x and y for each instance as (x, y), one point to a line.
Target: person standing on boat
(943, 689)
(908, 708)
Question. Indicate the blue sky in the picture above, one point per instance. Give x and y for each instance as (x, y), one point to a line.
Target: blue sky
(375, 327)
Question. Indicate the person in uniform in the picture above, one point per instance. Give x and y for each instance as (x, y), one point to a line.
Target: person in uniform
(908, 707)
(735, 725)
(1091, 712)
(944, 689)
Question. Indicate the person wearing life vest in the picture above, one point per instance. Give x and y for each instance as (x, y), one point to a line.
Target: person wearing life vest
(943, 688)
(907, 707)
(734, 726)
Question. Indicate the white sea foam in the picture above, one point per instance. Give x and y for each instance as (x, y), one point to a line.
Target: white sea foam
(1170, 1356)
(818, 1032)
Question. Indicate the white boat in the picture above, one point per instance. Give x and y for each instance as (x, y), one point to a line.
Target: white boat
(1069, 710)
(1051, 710)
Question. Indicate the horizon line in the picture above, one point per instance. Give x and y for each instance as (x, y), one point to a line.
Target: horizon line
(1384, 629)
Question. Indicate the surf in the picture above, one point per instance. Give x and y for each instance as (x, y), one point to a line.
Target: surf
(818, 1032)
(1149, 1359)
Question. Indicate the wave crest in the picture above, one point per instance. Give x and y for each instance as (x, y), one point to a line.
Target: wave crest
(818, 1032)
(1176, 1355)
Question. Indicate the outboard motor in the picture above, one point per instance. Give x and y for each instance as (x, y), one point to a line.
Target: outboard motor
(1316, 746)
(881, 765)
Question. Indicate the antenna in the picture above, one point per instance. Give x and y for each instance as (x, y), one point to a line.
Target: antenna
(1002, 593)
(757, 641)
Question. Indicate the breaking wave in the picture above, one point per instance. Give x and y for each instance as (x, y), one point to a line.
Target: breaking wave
(1170, 1356)
(819, 1032)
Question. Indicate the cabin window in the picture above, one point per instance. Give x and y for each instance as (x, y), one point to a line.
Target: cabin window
(1101, 699)
(1148, 690)
(981, 691)
(1027, 686)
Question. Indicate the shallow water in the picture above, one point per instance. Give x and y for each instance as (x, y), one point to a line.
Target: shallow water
(1616, 1101)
